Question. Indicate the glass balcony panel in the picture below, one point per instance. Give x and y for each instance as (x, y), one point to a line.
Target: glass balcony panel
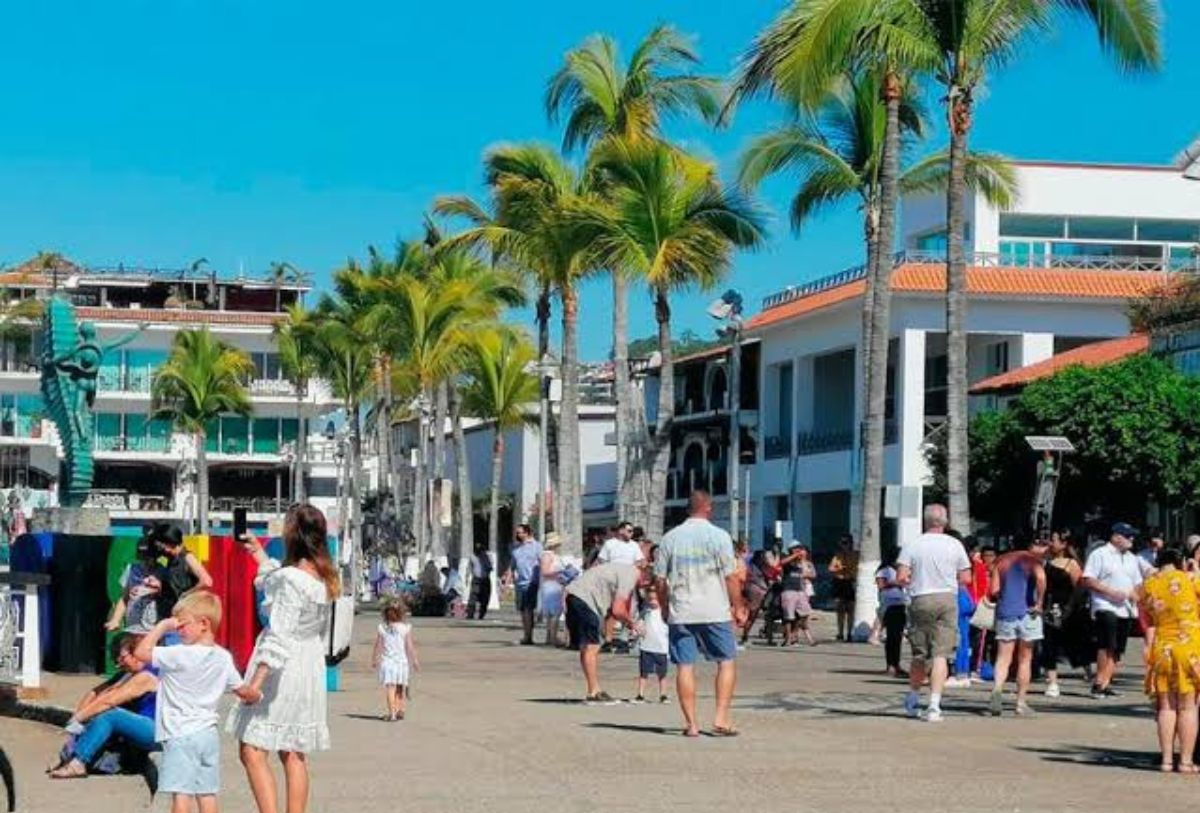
(266, 436)
(235, 435)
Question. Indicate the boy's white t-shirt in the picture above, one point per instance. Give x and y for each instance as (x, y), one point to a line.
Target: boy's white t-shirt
(655, 635)
(191, 680)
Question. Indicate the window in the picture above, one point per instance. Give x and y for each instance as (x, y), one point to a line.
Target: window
(997, 358)
(266, 435)
(235, 435)
(1100, 228)
(785, 400)
(936, 381)
(1142, 251)
(1175, 231)
(1013, 225)
(1184, 257)
(1022, 253)
(322, 487)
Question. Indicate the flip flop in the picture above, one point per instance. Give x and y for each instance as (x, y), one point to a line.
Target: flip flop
(723, 731)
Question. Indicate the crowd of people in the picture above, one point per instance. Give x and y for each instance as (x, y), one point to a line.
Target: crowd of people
(172, 674)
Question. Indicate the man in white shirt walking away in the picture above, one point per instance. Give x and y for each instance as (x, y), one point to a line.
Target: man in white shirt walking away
(701, 599)
(932, 567)
(1112, 574)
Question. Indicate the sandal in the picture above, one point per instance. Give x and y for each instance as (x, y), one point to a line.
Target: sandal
(71, 770)
(724, 731)
(1186, 768)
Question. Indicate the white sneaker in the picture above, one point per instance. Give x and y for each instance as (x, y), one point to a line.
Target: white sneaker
(957, 682)
(1052, 690)
(933, 715)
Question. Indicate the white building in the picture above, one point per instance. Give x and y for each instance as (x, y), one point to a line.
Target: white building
(1054, 272)
(143, 469)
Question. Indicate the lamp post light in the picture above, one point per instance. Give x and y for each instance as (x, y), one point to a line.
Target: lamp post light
(728, 309)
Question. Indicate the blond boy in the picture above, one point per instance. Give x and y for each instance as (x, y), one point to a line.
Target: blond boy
(192, 677)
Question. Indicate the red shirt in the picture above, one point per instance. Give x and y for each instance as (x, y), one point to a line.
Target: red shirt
(979, 581)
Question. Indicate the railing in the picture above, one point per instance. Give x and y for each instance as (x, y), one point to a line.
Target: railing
(255, 505)
(984, 259)
(271, 386)
(776, 447)
(22, 426)
(810, 443)
(117, 443)
(119, 499)
(19, 364)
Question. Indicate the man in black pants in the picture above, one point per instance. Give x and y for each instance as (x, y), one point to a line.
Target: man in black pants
(893, 603)
(481, 581)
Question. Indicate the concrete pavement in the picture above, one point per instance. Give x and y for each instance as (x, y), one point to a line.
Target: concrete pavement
(498, 728)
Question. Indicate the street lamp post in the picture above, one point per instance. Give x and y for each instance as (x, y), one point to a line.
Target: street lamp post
(729, 309)
(545, 369)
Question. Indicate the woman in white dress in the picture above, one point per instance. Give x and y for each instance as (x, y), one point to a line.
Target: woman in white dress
(288, 663)
(550, 588)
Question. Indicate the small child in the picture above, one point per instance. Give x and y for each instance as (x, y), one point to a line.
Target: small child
(192, 677)
(652, 659)
(394, 652)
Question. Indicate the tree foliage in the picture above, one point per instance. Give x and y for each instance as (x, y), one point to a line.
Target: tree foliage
(1136, 429)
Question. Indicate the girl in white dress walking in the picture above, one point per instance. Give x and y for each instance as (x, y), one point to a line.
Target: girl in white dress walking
(288, 664)
(395, 653)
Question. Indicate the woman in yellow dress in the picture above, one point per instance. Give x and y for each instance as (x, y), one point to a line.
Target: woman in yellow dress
(1170, 602)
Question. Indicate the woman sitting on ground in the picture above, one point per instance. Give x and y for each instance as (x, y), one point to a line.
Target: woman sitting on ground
(122, 706)
(1170, 603)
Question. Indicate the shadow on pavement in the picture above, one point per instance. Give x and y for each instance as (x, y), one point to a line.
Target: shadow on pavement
(1104, 757)
(637, 729)
(372, 718)
(560, 701)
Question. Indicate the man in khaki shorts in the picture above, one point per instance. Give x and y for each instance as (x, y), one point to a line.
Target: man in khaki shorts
(932, 567)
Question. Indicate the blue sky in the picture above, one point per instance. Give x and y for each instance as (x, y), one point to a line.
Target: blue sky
(155, 132)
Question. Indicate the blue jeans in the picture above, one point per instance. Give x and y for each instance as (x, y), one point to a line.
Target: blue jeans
(962, 655)
(136, 729)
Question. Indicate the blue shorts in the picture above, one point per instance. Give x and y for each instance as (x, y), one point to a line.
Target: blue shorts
(1027, 628)
(715, 641)
(652, 664)
(526, 596)
(191, 764)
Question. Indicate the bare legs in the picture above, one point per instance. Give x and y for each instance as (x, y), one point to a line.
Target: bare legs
(1106, 667)
(527, 619)
(588, 656)
(1168, 709)
(552, 631)
(262, 781)
(390, 692)
(685, 686)
(1177, 721)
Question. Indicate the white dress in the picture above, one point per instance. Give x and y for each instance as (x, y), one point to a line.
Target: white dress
(291, 715)
(393, 661)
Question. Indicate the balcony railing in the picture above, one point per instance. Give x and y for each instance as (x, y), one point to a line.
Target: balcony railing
(119, 499)
(810, 443)
(983, 259)
(271, 386)
(254, 505)
(777, 447)
(19, 364)
(117, 443)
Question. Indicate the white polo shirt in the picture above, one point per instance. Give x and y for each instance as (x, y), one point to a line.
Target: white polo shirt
(620, 552)
(1118, 570)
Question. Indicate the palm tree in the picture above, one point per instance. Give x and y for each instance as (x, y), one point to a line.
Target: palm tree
(283, 273)
(295, 339)
(345, 358)
(602, 100)
(969, 38)
(669, 222)
(202, 379)
(500, 388)
(839, 153)
(533, 190)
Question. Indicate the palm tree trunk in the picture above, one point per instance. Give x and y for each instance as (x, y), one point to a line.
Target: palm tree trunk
(420, 491)
(959, 108)
(661, 443)
(437, 469)
(298, 491)
(466, 518)
(383, 430)
(355, 527)
(202, 483)
(870, 549)
(568, 431)
(621, 384)
(494, 498)
(545, 476)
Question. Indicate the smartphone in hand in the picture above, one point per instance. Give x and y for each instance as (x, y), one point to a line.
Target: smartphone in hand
(239, 524)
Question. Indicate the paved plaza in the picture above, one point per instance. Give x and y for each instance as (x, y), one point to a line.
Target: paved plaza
(498, 728)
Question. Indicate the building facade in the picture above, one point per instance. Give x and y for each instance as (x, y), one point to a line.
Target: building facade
(1055, 272)
(144, 470)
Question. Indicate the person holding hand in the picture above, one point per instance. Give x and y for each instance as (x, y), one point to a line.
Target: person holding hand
(288, 662)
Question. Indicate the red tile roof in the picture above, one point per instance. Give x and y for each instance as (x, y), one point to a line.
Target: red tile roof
(930, 278)
(190, 317)
(1096, 354)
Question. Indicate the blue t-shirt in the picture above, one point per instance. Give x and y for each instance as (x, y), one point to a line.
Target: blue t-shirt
(525, 559)
(1017, 591)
